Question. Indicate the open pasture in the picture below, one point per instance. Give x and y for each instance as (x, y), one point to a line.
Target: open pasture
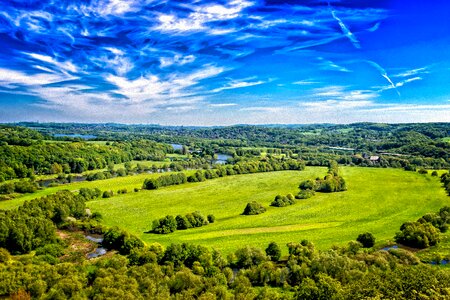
(377, 200)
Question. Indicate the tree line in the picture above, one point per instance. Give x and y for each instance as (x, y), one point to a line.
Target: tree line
(169, 224)
(244, 167)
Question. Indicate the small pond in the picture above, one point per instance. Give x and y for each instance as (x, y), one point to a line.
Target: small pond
(222, 158)
(177, 146)
(99, 251)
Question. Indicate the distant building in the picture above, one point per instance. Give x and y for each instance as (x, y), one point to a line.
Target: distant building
(374, 158)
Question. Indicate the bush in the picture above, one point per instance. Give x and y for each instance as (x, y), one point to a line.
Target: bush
(422, 171)
(54, 250)
(273, 251)
(281, 201)
(182, 222)
(211, 218)
(305, 194)
(254, 208)
(366, 239)
(107, 194)
(4, 255)
(165, 225)
(417, 235)
(434, 173)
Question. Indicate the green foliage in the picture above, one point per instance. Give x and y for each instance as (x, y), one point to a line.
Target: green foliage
(254, 208)
(164, 225)
(305, 194)
(107, 194)
(4, 255)
(55, 250)
(366, 239)
(90, 194)
(273, 251)
(164, 180)
(169, 224)
(115, 238)
(282, 201)
(211, 218)
(249, 256)
(422, 171)
(33, 225)
(331, 183)
(417, 235)
(22, 186)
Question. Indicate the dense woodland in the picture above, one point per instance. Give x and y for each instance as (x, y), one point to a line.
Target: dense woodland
(32, 150)
(37, 259)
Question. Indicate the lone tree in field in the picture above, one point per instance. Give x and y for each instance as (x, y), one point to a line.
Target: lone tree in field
(254, 208)
(366, 239)
(273, 251)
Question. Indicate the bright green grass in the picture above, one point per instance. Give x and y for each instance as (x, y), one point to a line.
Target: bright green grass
(446, 139)
(377, 200)
(114, 184)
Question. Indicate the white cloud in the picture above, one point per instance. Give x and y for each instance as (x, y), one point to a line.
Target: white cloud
(158, 91)
(201, 15)
(177, 59)
(235, 84)
(305, 82)
(12, 78)
(222, 104)
(264, 109)
(66, 66)
(413, 72)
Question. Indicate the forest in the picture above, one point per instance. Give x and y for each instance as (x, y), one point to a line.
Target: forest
(60, 184)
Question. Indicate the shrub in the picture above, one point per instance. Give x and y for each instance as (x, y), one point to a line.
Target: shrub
(422, 171)
(417, 235)
(281, 201)
(273, 251)
(182, 222)
(305, 194)
(434, 173)
(254, 208)
(211, 218)
(165, 225)
(107, 194)
(4, 255)
(366, 239)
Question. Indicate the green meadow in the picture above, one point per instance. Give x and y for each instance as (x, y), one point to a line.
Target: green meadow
(377, 200)
(114, 184)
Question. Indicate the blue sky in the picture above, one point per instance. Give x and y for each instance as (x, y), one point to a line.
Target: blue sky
(224, 62)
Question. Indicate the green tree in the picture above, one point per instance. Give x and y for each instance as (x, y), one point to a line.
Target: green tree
(273, 251)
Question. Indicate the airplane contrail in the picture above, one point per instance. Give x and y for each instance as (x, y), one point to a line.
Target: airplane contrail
(345, 29)
(384, 74)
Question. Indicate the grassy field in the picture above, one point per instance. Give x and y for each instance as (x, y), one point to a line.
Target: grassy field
(377, 200)
(114, 184)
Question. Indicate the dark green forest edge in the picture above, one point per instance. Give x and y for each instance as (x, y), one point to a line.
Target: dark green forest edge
(42, 241)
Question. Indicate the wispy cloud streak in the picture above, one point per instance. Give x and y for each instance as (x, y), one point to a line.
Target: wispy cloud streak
(345, 29)
(384, 74)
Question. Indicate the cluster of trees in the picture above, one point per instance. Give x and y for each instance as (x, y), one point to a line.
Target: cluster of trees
(445, 179)
(282, 201)
(425, 232)
(254, 208)
(22, 186)
(244, 167)
(169, 224)
(164, 180)
(33, 225)
(121, 240)
(186, 271)
(331, 183)
(25, 153)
